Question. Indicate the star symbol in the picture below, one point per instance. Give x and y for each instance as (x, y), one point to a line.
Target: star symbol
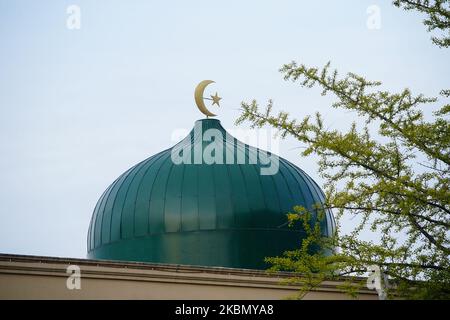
(216, 99)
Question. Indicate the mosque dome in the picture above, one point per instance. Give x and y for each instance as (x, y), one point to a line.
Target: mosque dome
(176, 207)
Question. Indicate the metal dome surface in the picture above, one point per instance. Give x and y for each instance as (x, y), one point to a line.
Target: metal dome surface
(225, 215)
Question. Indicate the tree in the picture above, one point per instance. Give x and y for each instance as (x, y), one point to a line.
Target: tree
(394, 181)
(438, 16)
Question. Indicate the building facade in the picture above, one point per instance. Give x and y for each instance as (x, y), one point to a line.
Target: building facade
(33, 277)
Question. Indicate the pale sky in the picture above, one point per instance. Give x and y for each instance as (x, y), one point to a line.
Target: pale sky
(79, 107)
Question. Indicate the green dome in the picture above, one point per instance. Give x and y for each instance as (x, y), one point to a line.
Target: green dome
(227, 215)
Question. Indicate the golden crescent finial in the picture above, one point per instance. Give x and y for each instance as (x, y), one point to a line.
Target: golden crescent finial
(199, 99)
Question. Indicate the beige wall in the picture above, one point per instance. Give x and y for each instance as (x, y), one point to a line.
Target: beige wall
(28, 277)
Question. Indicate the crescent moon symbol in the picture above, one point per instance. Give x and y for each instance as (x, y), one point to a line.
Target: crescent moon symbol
(198, 95)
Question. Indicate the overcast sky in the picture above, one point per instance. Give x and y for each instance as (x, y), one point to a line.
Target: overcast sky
(78, 107)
